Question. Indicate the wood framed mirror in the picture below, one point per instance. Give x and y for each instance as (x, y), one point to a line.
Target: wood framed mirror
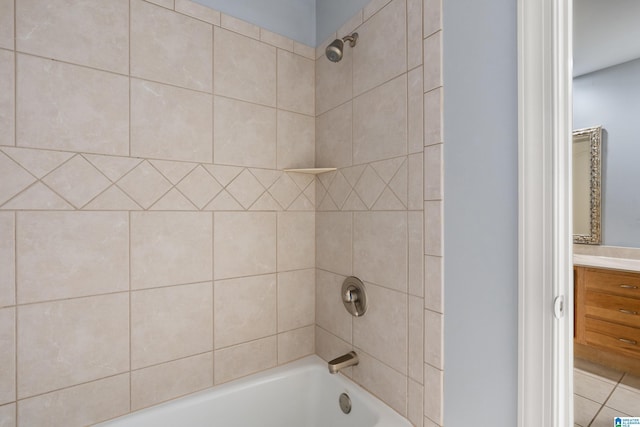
(587, 176)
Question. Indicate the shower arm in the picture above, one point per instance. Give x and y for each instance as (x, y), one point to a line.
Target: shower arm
(352, 39)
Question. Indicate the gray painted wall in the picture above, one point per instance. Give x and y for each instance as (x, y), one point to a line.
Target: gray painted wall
(611, 98)
(295, 19)
(331, 14)
(481, 213)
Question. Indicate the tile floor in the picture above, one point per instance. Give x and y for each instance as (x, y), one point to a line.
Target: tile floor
(602, 393)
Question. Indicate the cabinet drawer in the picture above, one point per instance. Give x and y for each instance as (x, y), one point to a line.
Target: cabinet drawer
(624, 284)
(613, 308)
(612, 336)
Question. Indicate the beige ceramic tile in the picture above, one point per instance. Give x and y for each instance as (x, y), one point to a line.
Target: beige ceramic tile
(14, 179)
(415, 108)
(415, 403)
(276, 40)
(7, 355)
(245, 359)
(170, 248)
(113, 167)
(429, 423)
(78, 406)
(416, 339)
(304, 50)
(6, 24)
(416, 254)
(7, 95)
(170, 123)
(433, 283)
(351, 25)
(625, 400)
(333, 241)
(37, 197)
(381, 52)
(39, 162)
(195, 10)
(333, 137)
(433, 337)
(144, 184)
(71, 254)
(296, 86)
(296, 299)
(433, 117)
(414, 33)
(606, 416)
(339, 189)
(295, 344)
(585, 410)
(69, 342)
(383, 332)
(244, 244)
(284, 191)
(433, 61)
(8, 415)
(244, 309)
(380, 248)
(386, 383)
(373, 7)
(242, 142)
(150, 386)
(433, 228)
(592, 387)
(244, 69)
(200, 187)
(170, 323)
(432, 16)
(433, 172)
(330, 312)
(169, 47)
(296, 141)
(66, 107)
(380, 122)
(296, 240)
(329, 346)
(239, 26)
(433, 392)
(334, 81)
(169, 4)
(7, 259)
(246, 189)
(65, 179)
(95, 34)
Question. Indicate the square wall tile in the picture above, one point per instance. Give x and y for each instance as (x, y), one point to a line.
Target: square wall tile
(8, 415)
(381, 52)
(7, 355)
(386, 315)
(7, 96)
(7, 24)
(244, 309)
(415, 111)
(69, 342)
(170, 323)
(242, 142)
(71, 254)
(66, 107)
(380, 248)
(95, 34)
(333, 241)
(277, 40)
(334, 137)
(296, 141)
(171, 48)
(239, 26)
(296, 299)
(296, 83)
(80, 405)
(295, 344)
(244, 68)
(170, 248)
(296, 240)
(433, 61)
(150, 386)
(334, 82)
(380, 122)
(244, 244)
(170, 123)
(7, 259)
(329, 346)
(386, 383)
(330, 313)
(245, 359)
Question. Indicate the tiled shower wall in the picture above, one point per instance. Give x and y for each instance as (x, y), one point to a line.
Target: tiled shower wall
(379, 217)
(150, 245)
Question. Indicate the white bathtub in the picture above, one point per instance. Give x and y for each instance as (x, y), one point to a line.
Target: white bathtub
(299, 394)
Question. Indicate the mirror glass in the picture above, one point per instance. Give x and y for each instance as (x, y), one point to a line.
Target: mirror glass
(586, 185)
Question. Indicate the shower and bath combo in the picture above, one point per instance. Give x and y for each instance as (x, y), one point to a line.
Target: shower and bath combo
(335, 50)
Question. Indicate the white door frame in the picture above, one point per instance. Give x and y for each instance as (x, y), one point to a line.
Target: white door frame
(545, 342)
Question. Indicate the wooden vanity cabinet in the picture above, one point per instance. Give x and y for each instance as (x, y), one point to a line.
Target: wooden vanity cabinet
(607, 317)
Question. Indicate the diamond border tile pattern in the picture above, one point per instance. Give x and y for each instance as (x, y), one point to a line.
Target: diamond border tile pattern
(133, 184)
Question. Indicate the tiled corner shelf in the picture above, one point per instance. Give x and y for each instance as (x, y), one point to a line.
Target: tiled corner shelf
(313, 171)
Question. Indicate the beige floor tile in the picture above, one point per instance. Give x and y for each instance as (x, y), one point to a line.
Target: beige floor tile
(584, 410)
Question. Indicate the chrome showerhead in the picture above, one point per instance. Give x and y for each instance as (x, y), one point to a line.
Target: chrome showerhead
(335, 50)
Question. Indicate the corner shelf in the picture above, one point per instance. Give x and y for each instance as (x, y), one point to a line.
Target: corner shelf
(312, 171)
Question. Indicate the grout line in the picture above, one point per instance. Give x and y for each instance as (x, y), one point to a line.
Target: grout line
(213, 299)
(15, 310)
(129, 218)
